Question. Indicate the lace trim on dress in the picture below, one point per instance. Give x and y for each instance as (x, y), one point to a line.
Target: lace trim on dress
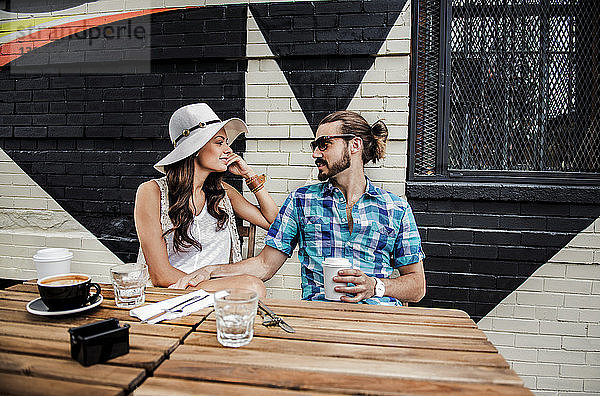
(167, 224)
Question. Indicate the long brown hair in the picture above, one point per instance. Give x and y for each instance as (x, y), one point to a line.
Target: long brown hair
(180, 181)
(374, 136)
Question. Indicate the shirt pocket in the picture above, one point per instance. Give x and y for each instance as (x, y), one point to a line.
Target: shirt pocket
(317, 235)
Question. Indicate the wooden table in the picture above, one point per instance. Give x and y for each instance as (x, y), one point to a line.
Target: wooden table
(337, 349)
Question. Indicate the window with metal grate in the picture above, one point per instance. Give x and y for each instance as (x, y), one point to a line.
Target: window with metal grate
(505, 89)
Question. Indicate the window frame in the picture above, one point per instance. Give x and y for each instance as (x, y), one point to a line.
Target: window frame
(443, 174)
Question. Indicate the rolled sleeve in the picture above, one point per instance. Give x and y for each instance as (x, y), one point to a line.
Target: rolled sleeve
(283, 233)
(407, 247)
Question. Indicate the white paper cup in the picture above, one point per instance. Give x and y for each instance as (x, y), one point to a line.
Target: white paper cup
(331, 266)
(52, 261)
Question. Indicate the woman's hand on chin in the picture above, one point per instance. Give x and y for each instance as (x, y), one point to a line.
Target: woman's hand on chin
(192, 279)
(237, 166)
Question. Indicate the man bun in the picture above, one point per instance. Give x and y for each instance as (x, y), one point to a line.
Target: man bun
(379, 132)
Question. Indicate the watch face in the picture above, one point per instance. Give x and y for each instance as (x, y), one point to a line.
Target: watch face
(379, 288)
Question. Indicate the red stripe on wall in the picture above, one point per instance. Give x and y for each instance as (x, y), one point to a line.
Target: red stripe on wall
(19, 47)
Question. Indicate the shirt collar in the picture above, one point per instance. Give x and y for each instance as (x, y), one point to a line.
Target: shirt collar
(329, 189)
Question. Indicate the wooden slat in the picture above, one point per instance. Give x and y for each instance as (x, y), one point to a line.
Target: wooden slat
(377, 317)
(339, 306)
(162, 330)
(334, 349)
(367, 338)
(145, 359)
(325, 364)
(12, 384)
(70, 370)
(176, 387)
(106, 311)
(368, 327)
(339, 382)
(38, 331)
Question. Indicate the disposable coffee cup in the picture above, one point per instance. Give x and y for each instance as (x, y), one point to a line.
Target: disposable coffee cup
(331, 266)
(52, 261)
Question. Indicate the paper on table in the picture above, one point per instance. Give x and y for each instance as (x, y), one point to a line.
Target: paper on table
(147, 311)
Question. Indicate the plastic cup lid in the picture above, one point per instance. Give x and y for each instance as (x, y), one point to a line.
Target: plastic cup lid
(53, 254)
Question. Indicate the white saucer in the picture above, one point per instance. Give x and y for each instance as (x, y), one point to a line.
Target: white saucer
(37, 307)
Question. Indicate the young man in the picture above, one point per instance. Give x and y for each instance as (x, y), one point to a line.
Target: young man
(345, 216)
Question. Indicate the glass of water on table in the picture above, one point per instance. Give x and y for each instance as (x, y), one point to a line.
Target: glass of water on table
(235, 310)
(129, 282)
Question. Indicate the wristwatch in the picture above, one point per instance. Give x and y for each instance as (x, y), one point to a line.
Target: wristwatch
(379, 288)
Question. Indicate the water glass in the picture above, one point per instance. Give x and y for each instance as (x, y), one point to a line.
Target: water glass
(235, 310)
(129, 282)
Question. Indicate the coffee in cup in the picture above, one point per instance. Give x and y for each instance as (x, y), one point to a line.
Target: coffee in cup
(67, 291)
(331, 266)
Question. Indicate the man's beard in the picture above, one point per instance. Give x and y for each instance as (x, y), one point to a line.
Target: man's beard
(335, 168)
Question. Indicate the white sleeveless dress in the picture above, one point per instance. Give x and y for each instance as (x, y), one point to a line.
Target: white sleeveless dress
(218, 247)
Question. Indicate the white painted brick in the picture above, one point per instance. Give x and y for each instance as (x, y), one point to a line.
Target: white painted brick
(563, 328)
(257, 91)
(9, 167)
(543, 299)
(271, 104)
(31, 203)
(568, 315)
(301, 131)
(277, 185)
(397, 47)
(295, 184)
(546, 313)
(518, 354)
(18, 273)
(280, 91)
(391, 63)
(533, 284)
(591, 385)
(537, 341)
(594, 330)
(300, 172)
(263, 77)
(595, 287)
(592, 358)
(15, 191)
(389, 91)
(275, 282)
(396, 76)
(596, 257)
(396, 147)
(291, 282)
(589, 315)
(256, 118)
(581, 343)
(7, 202)
(396, 188)
(573, 255)
(291, 146)
(366, 104)
(271, 158)
(268, 145)
(395, 161)
(554, 383)
(305, 159)
(524, 312)
(559, 356)
(568, 286)
(551, 270)
(29, 239)
(373, 77)
(287, 118)
(586, 241)
(501, 339)
(6, 238)
(282, 294)
(398, 104)
(251, 145)
(579, 371)
(584, 271)
(255, 37)
(515, 325)
(545, 369)
(589, 301)
(269, 132)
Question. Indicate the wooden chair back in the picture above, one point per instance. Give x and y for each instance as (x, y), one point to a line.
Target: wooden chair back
(248, 231)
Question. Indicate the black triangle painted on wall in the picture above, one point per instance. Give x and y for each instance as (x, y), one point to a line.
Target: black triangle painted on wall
(325, 48)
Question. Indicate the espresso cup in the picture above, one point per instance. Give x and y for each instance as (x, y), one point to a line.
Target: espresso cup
(67, 291)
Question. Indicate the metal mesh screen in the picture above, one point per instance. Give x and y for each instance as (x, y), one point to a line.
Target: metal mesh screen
(427, 89)
(524, 85)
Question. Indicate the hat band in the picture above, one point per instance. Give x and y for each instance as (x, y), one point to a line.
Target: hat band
(186, 132)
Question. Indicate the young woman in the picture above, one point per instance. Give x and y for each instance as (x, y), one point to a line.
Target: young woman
(186, 219)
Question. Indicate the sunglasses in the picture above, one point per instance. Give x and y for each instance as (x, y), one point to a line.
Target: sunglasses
(323, 142)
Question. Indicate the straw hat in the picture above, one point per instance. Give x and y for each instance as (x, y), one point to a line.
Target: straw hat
(191, 127)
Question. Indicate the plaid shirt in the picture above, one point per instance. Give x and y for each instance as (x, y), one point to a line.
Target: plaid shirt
(384, 234)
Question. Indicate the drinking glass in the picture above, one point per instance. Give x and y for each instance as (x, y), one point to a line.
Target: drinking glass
(129, 282)
(235, 310)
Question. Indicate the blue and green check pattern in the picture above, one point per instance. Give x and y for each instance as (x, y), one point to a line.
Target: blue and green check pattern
(384, 234)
